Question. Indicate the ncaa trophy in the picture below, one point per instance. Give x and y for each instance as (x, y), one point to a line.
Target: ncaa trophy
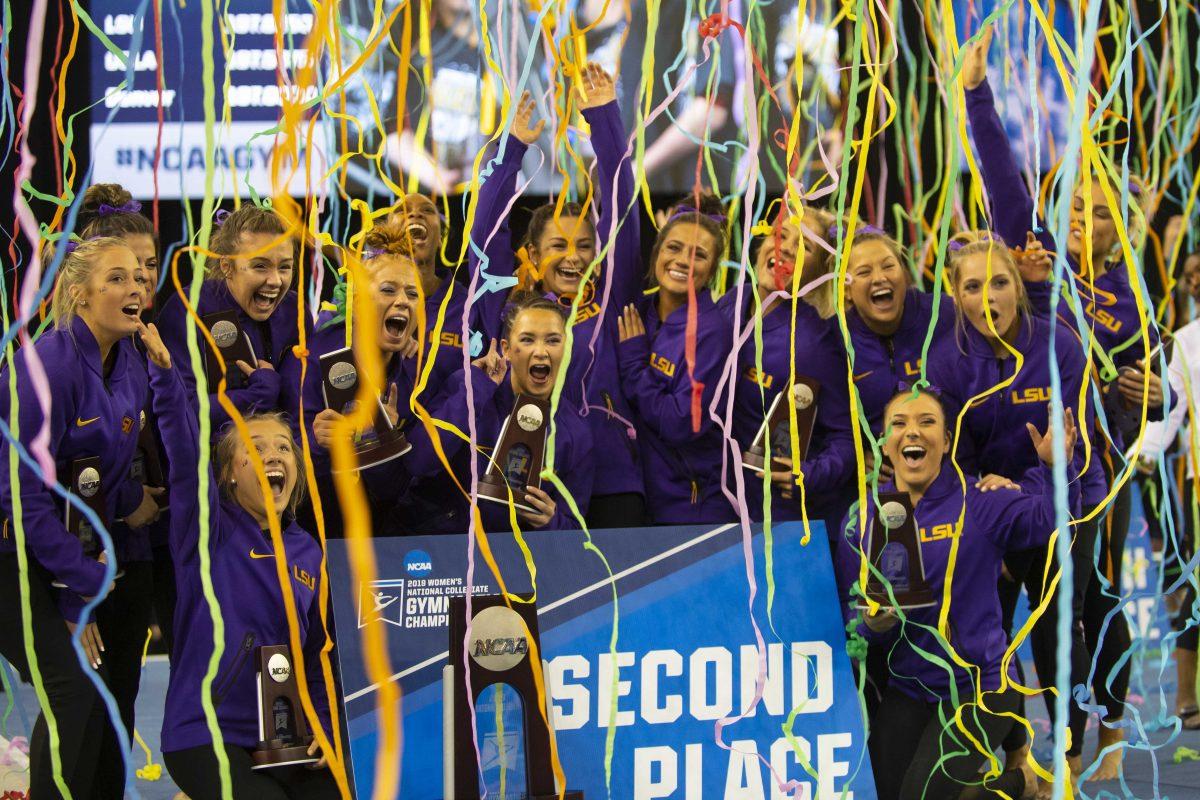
(776, 428)
(233, 344)
(339, 386)
(499, 653)
(88, 486)
(895, 552)
(283, 736)
(517, 459)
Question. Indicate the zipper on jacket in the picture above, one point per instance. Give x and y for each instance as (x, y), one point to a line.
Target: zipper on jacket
(613, 418)
(235, 669)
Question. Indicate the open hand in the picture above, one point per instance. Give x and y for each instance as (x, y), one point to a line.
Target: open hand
(596, 87)
(629, 324)
(1044, 443)
(990, 483)
(974, 69)
(523, 126)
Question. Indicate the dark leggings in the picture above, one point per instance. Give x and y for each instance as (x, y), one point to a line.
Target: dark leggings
(197, 774)
(1175, 562)
(1110, 679)
(1027, 567)
(123, 619)
(78, 712)
(918, 751)
(626, 510)
(164, 596)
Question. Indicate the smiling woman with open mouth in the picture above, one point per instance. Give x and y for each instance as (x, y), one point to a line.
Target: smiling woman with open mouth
(394, 285)
(964, 532)
(763, 373)
(250, 273)
(889, 318)
(244, 561)
(671, 391)
(525, 363)
(560, 262)
(1114, 329)
(97, 383)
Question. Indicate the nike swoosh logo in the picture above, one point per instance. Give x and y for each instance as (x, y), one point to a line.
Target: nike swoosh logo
(80, 421)
(858, 378)
(260, 555)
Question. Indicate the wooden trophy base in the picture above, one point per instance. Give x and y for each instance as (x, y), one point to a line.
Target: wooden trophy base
(282, 757)
(756, 461)
(753, 460)
(905, 601)
(380, 452)
(495, 490)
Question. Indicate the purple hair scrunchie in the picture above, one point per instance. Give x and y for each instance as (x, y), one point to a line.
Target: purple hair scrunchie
(132, 207)
(683, 211)
(835, 231)
(220, 215)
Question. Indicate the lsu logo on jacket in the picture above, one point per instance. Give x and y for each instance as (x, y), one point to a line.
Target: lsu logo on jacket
(663, 365)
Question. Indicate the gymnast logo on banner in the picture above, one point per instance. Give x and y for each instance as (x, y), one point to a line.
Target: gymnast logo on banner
(381, 601)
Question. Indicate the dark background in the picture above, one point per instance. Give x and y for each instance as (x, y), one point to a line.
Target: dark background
(74, 85)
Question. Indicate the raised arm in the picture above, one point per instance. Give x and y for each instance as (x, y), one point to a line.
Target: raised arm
(1012, 207)
(178, 425)
(490, 254)
(603, 115)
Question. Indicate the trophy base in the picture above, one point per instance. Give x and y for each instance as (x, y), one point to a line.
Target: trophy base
(380, 452)
(497, 492)
(756, 461)
(753, 460)
(282, 757)
(905, 601)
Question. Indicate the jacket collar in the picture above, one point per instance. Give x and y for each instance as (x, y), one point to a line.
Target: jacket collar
(945, 484)
(911, 318)
(89, 351)
(976, 345)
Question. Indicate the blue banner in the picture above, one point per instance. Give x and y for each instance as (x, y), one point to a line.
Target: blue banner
(673, 654)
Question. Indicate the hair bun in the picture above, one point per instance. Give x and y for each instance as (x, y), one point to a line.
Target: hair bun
(109, 194)
(390, 238)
